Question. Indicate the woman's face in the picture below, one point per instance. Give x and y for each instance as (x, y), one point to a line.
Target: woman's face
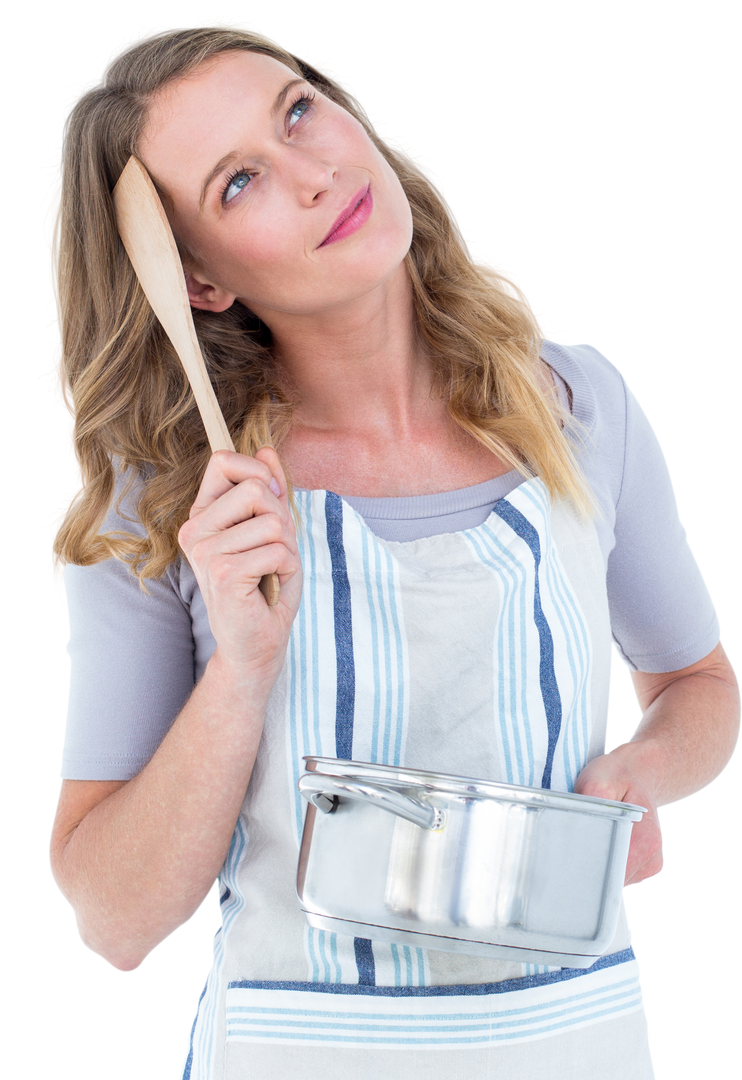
(260, 169)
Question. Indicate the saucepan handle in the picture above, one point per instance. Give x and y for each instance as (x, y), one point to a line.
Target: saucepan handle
(322, 790)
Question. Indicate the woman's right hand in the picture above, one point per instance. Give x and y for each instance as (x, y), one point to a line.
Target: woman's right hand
(240, 528)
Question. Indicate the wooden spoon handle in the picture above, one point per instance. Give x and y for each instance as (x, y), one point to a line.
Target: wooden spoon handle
(150, 245)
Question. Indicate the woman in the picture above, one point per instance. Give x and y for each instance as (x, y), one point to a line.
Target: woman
(446, 466)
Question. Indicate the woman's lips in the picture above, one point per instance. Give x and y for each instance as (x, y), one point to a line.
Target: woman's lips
(356, 213)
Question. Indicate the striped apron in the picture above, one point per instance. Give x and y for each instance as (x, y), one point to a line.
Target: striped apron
(484, 653)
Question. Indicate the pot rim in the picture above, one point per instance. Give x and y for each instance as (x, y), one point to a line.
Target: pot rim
(467, 787)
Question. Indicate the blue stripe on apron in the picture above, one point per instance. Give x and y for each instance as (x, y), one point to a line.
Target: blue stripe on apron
(444, 990)
(346, 676)
(346, 680)
(549, 689)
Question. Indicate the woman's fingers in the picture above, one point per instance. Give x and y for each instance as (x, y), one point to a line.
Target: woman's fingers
(226, 469)
(236, 489)
(240, 531)
(645, 851)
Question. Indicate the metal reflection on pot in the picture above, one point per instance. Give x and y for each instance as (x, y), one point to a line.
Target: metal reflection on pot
(461, 864)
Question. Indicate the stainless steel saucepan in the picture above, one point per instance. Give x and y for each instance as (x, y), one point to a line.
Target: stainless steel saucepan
(461, 865)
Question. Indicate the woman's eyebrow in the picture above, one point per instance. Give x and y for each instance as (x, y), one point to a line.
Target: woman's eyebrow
(223, 162)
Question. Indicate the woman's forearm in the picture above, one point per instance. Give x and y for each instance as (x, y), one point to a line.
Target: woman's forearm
(684, 742)
(140, 862)
(687, 738)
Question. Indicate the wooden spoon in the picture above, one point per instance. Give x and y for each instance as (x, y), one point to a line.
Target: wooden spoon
(150, 245)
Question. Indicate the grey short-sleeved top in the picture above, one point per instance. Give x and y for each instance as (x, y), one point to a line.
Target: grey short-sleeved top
(136, 656)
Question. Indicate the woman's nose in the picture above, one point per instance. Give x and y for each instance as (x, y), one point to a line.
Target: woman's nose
(312, 177)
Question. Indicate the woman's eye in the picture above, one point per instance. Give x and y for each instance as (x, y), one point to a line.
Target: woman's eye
(235, 185)
(298, 109)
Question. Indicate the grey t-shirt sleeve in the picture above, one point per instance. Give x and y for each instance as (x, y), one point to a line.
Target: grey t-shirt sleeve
(662, 617)
(132, 666)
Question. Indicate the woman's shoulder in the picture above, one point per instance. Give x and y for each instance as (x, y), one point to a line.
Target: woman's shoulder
(597, 391)
(610, 425)
(122, 518)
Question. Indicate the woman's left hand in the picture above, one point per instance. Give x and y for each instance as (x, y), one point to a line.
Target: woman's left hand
(614, 776)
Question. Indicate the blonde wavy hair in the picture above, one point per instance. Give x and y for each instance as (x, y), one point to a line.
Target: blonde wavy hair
(135, 415)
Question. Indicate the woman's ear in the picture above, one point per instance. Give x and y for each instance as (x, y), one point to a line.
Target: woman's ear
(205, 296)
